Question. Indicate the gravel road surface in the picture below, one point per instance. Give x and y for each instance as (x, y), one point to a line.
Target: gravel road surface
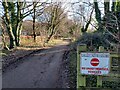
(41, 69)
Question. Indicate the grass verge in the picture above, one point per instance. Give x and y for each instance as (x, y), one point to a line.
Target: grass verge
(72, 68)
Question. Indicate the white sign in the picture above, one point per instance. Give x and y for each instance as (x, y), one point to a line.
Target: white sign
(94, 63)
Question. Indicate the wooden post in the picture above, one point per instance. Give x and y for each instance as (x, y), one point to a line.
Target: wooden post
(99, 78)
(81, 79)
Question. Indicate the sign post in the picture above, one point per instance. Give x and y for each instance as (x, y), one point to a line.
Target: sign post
(91, 64)
(99, 78)
(97, 64)
(94, 63)
(81, 80)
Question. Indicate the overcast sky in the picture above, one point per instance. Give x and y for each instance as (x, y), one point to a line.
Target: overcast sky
(66, 5)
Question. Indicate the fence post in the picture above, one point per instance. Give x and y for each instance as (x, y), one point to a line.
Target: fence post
(81, 79)
(99, 78)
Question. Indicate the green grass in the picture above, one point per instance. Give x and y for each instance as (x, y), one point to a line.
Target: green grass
(72, 69)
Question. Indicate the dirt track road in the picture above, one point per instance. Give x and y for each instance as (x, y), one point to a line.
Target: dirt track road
(39, 70)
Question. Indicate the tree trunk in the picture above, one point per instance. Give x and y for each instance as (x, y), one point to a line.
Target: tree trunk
(9, 25)
(49, 37)
(52, 29)
(98, 15)
(87, 24)
(19, 23)
(113, 6)
(106, 6)
(3, 38)
(18, 32)
(34, 33)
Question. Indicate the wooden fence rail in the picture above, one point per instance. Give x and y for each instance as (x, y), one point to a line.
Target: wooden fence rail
(100, 82)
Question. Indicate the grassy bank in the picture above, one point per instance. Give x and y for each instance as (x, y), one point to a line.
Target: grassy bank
(72, 68)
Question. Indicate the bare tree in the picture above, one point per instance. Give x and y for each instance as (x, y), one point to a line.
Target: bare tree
(36, 14)
(3, 34)
(84, 14)
(14, 13)
(54, 14)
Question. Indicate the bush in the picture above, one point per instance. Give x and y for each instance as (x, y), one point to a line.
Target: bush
(93, 40)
